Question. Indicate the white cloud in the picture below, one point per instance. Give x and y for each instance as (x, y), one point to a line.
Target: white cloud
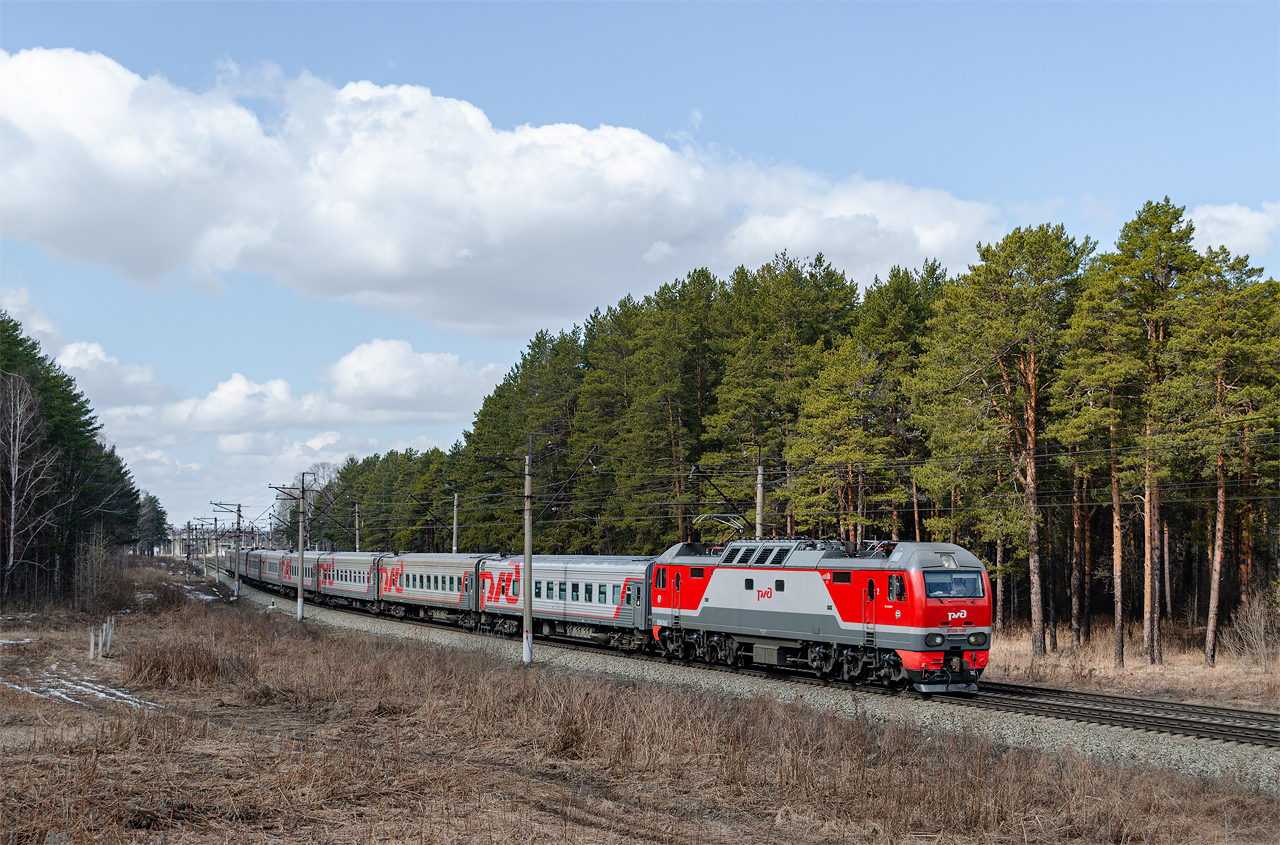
(420, 443)
(396, 198)
(383, 382)
(388, 374)
(108, 382)
(36, 322)
(1239, 228)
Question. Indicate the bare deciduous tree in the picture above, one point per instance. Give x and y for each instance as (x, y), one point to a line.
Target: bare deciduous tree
(29, 471)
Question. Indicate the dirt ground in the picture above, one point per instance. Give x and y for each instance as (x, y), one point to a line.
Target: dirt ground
(215, 723)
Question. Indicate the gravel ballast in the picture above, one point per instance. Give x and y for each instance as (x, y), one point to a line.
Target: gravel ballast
(1252, 766)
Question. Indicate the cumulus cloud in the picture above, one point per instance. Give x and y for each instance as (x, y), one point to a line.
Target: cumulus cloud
(108, 382)
(388, 374)
(384, 382)
(393, 197)
(1239, 228)
(36, 322)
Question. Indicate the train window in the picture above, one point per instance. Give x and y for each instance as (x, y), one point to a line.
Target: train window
(617, 594)
(697, 572)
(437, 581)
(573, 591)
(601, 594)
(515, 588)
(588, 593)
(954, 585)
(778, 556)
(749, 584)
(628, 598)
(871, 589)
(897, 588)
(563, 585)
(677, 582)
(537, 589)
(841, 577)
(779, 586)
(660, 578)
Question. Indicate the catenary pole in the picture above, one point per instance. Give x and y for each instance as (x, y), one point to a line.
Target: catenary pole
(527, 578)
(302, 506)
(235, 591)
(455, 523)
(759, 501)
(357, 526)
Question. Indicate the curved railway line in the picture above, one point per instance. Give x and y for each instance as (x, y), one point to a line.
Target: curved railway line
(1247, 727)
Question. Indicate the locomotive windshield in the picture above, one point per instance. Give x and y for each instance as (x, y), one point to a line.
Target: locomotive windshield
(953, 585)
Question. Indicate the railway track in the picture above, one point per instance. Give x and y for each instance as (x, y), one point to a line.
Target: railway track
(1247, 727)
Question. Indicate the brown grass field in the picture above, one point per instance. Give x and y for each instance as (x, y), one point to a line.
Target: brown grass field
(221, 724)
(1237, 680)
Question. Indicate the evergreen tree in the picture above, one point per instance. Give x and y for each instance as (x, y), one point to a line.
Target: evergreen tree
(993, 350)
(1223, 355)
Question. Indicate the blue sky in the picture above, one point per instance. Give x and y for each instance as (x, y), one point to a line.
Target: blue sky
(193, 191)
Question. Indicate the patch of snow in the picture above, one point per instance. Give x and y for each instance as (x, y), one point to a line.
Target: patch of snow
(16, 642)
(75, 690)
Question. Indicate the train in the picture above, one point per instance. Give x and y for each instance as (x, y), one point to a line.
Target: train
(902, 615)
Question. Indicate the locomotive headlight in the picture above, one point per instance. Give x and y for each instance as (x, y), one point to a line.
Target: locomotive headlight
(977, 638)
(934, 640)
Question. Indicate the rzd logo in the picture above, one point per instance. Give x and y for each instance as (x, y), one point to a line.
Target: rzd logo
(959, 614)
(764, 594)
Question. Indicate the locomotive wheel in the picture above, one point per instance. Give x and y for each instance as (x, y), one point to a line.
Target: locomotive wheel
(732, 653)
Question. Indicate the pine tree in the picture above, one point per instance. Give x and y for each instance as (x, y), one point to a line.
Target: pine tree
(1223, 388)
(994, 346)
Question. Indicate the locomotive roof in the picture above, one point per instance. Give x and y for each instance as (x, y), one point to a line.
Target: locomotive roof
(824, 554)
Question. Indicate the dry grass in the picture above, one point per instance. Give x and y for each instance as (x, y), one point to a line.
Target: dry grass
(278, 732)
(1238, 679)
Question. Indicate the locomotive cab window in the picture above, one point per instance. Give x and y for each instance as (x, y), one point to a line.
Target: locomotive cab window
(660, 578)
(897, 588)
(954, 585)
(871, 589)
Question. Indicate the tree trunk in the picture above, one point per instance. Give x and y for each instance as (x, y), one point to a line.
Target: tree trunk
(1051, 576)
(1148, 532)
(1000, 585)
(1117, 553)
(1157, 648)
(1168, 590)
(1246, 556)
(1077, 549)
(1215, 574)
(1033, 554)
(915, 506)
